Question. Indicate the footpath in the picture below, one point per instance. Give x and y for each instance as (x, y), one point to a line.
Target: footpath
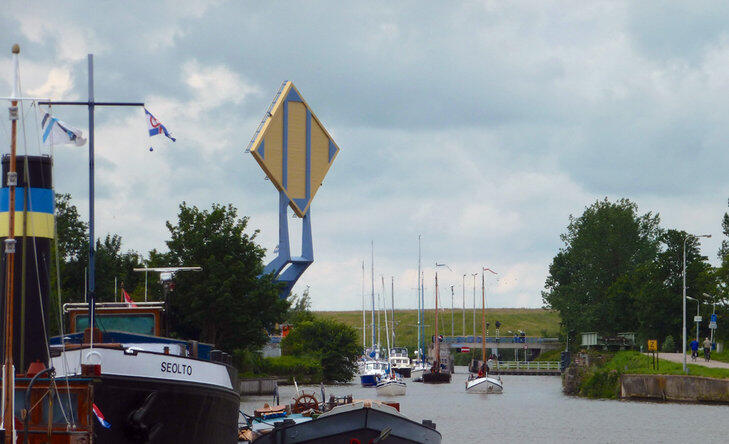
(678, 357)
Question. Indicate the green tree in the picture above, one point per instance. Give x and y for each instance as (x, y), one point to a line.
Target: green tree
(607, 241)
(656, 287)
(332, 342)
(299, 308)
(229, 303)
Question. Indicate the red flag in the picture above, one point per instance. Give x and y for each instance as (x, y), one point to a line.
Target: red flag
(127, 298)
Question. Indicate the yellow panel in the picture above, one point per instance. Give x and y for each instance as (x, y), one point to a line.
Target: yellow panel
(296, 185)
(39, 224)
(319, 156)
(272, 154)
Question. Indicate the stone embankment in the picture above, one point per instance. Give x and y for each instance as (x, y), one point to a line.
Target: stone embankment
(681, 388)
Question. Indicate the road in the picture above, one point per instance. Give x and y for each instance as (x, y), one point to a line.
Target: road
(678, 357)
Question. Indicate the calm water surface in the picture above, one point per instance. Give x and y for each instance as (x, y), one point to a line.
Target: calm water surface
(533, 409)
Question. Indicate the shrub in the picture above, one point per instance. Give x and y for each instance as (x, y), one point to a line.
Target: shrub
(669, 345)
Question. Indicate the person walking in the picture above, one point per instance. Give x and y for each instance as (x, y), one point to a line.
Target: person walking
(707, 349)
(694, 349)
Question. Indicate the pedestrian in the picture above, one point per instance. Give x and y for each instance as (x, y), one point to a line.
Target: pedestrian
(707, 349)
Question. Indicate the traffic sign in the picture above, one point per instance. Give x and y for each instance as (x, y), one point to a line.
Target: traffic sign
(697, 318)
(293, 148)
(713, 318)
(712, 325)
(652, 345)
(465, 349)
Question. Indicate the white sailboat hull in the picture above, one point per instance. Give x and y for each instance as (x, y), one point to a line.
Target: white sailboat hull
(484, 385)
(389, 387)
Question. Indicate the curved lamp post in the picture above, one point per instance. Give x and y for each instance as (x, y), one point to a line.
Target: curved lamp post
(683, 346)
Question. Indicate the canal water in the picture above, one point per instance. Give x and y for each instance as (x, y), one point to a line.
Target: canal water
(533, 409)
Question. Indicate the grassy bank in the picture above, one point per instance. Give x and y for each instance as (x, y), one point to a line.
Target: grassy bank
(534, 321)
(603, 380)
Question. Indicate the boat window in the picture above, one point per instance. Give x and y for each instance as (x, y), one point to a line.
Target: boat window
(130, 323)
(69, 409)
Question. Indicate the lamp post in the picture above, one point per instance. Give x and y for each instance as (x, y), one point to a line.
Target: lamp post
(463, 287)
(683, 346)
(474, 304)
(696, 319)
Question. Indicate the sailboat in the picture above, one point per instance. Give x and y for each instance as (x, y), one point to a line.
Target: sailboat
(370, 367)
(391, 384)
(438, 373)
(420, 365)
(482, 382)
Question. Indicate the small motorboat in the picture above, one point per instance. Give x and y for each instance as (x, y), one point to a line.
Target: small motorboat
(391, 386)
(484, 384)
(370, 372)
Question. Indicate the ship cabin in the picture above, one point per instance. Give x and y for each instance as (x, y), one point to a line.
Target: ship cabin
(135, 327)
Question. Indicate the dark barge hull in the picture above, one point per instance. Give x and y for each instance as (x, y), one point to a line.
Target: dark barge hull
(355, 426)
(436, 378)
(403, 371)
(160, 411)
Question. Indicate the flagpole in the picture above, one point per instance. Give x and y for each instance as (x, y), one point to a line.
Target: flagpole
(91, 104)
(8, 365)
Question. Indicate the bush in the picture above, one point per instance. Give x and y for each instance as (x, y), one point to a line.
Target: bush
(332, 342)
(669, 345)
(305, 369)
(249, 363)
(603, 383)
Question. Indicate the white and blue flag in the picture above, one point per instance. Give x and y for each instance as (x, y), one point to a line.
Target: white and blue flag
(56, 132)
(155, 126)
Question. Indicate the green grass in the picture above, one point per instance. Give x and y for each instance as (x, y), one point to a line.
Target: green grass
(723, 356)
(534, 321)
(604, 381)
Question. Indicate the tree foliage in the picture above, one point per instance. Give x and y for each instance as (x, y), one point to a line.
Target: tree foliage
(332, 342)
(228, 303)
(620, 271)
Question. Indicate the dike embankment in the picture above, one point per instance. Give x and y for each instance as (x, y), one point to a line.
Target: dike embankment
(677, 388)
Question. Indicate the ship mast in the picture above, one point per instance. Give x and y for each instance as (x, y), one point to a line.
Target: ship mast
(483, 318)
(8, 367)
(437, 339)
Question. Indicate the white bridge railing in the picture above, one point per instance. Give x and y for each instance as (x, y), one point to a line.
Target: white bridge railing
(529, 365)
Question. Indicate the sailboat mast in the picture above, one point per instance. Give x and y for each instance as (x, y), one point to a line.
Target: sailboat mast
(364, 317)
(483, 318)
(372, 275)
(437, 340)
(8, 367)
(387, 334)
(392, 307)
(420, 316)
(92, 250)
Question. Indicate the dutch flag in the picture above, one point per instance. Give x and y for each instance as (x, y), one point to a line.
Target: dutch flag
(100, 417)
(155, 126)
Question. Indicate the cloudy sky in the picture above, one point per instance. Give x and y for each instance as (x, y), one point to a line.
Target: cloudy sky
(480, 125)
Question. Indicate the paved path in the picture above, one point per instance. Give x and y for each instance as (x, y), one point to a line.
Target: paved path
(678, 357)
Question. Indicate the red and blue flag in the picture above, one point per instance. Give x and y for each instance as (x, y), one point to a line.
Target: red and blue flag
(100, 417)
(155, 127)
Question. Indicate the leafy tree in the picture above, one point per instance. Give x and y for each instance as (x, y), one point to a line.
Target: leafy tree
(228, 303)
(657, 286)
(607, 241)
(299, 308)
(332, 342)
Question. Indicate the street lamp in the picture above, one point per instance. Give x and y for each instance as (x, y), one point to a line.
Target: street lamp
(474, 304)
(683, 347)
(696, 319)
(463, 287)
